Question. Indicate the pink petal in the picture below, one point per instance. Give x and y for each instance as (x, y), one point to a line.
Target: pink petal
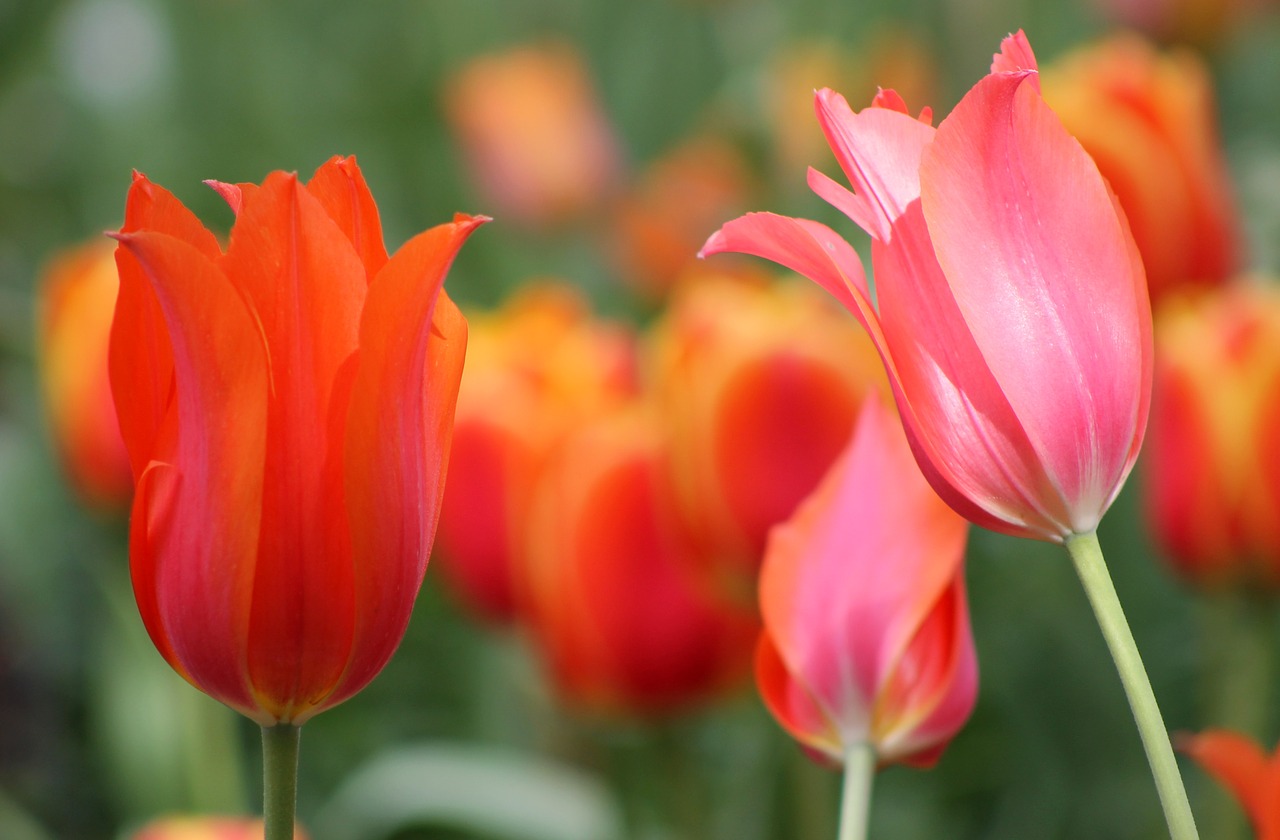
(1030, 242)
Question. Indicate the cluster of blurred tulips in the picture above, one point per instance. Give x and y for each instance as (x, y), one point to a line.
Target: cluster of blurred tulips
(659, 509)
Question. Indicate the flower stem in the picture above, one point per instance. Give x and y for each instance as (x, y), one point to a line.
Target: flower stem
(279, 779)
(1092, 568)
(855, 802)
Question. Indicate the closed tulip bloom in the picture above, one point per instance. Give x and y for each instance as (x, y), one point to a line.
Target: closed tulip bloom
(287, 405)
(1212, 467)
(1245, 770)
(1011, 309)
(616, 608)
(758, 384)
(75, 301)
(1149, 122)
(204, 828)
(537, 369)
(866, 623)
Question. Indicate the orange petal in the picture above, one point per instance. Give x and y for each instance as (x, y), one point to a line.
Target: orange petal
(340, 188)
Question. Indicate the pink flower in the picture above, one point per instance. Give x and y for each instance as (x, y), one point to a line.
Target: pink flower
(1011, 306)
(867, 636)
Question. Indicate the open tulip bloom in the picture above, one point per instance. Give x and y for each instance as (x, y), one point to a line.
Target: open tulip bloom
(287, 406)
(1011, 314)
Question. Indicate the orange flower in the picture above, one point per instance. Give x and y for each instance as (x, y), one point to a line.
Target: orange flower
(537, 142)
(1212, 466)
(76, 298)
(1245, 770)
(536, 369)
(1148, 120)
(613, 604)
(205, 828)
(758, 385)
(663, 218)
(866, 624)
(287, 406)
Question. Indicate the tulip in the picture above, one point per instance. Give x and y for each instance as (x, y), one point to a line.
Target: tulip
(867, 651)
(76, 298)
(203, 828)
(615, 607)
(1211, 468)
(287, 405)
(1251, 775)
(1012, 317)
(1149, 121)
(661, 218)
(533, 133)
(537, 369)
(737, 367)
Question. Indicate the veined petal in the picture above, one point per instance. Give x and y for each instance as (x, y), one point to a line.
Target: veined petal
(196, 511)
(141, 360)
(306, 285)
(806, 247)
(340, 188)
(1036, 256)
(879, 150)
(412, 343)
(847, 584)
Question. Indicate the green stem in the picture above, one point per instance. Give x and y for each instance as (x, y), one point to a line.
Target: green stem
(1092, 568)
(855, 801)
(279, 779)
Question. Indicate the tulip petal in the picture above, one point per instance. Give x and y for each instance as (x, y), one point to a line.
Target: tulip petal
(412, 343)
(306, 285)
(879, 150)
(792, 705)
(1028, 237)
(193, 558)
(140, 358)
(340, 188)
(1239, 764)
(805, 247)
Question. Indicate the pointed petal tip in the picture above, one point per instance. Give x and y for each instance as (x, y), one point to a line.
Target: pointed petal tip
(1015, 56)
(231, 194)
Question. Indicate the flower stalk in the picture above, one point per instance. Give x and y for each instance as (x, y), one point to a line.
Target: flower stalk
(1090, 565)
(855, 800)
(279, 779)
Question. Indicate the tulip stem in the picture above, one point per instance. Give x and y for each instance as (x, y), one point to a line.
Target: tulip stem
(855, 801)
(1092, 568)
(279, 779)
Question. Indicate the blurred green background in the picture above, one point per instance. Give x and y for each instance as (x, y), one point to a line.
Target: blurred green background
(98, 735)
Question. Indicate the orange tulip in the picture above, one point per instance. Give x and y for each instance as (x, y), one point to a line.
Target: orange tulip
(758, 385)
(287, 406)
(866, 624)
(664, 216)
(1149, 122)
(614, 605)
(536, 369)
(1246, 771)
(533, 133)
(204, 828)
(1212, 466)
(76, 298)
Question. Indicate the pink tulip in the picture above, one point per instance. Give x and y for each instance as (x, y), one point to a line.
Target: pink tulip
(867, 637)
(1011, 305)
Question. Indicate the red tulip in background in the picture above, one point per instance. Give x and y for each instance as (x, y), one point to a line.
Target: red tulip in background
(204, 828)
(1245, 770)
(758, 385)
(537, 369)
(1149, 121)
(1212, 464)
(616, 608)
(76, 298)
(1011, 308)
(866, 624)
(287, 405)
